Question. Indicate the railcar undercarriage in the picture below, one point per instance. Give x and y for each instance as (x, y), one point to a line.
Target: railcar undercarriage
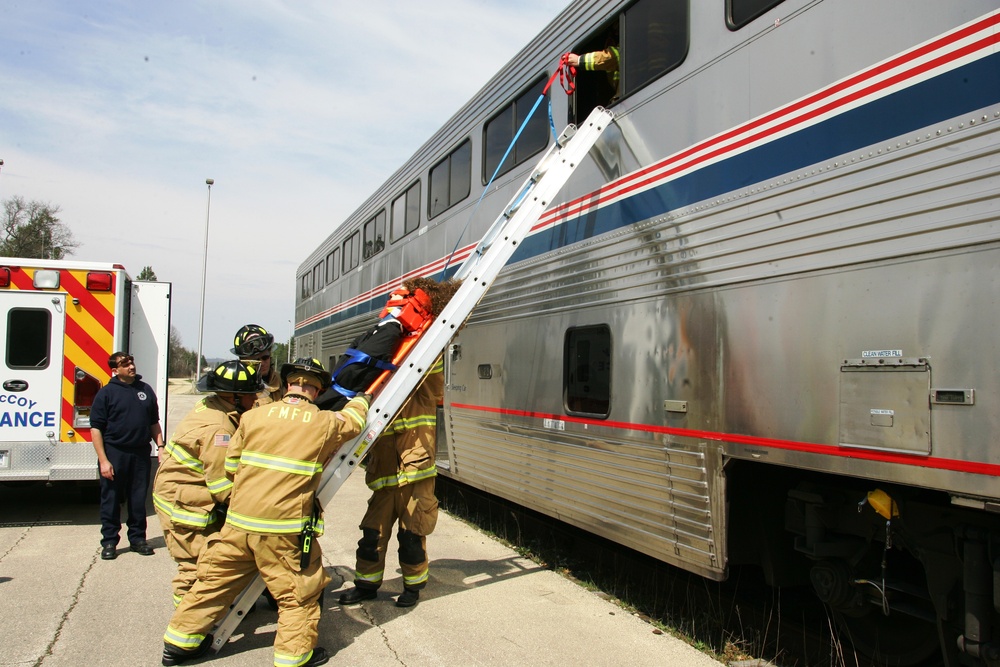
(903, 570)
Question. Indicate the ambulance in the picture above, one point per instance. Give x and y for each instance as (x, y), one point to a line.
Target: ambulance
(61, 321)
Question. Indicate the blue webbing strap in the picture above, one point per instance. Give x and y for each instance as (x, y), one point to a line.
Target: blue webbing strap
(545, 90)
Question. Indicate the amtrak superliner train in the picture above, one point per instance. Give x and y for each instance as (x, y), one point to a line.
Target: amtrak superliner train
(760, 323)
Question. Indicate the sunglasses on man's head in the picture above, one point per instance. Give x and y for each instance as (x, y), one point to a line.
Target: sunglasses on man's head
(125, 362)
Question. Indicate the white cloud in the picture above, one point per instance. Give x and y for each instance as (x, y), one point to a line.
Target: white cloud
(117, 112)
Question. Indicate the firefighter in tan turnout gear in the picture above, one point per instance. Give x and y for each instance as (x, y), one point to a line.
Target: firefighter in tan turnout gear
(277, 457)
(401, 471)
(191, 487)
(253, 344)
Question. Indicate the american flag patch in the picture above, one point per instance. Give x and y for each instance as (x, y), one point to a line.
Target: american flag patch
(221, 439)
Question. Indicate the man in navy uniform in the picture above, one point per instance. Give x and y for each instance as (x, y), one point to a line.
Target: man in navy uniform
(124, 418)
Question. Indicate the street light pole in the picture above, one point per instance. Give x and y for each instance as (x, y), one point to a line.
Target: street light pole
(291, 334)
(204, 269)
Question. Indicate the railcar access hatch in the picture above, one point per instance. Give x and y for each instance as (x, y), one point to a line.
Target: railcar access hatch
(884, 404)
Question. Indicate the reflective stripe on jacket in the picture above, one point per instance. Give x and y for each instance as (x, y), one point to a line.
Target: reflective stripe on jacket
(277, 454)
(604, 61)
(192, 479)
(405, 453)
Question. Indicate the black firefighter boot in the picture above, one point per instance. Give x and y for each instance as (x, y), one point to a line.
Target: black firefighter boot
(358, 594)
(319, 657)
(175, 655)
(408, 598)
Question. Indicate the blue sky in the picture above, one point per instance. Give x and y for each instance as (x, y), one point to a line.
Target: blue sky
(117, 112)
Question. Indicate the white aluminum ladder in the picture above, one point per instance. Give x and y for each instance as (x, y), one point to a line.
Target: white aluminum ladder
(477, 273)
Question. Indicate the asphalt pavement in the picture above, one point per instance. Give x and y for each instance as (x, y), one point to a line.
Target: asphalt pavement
(60, 604)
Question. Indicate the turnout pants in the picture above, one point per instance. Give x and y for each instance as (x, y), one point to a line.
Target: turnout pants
(131, 483)
(415, 507)
(185, 544)
(228, 566)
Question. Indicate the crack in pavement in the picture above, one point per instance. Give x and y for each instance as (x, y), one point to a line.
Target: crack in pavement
(369, 616)
(66, 614)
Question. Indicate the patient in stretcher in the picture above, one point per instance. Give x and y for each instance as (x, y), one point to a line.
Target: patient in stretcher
(410, 306)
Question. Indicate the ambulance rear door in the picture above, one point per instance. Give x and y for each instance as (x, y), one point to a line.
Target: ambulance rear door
(31, 377)
(149, 339)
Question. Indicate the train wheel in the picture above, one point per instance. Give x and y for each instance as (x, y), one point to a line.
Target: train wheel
(895, 640)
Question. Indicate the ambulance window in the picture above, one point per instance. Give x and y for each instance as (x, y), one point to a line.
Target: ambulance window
(28, 332)
(587, 371)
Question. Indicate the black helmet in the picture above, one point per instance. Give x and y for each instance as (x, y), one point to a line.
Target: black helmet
(251, 339)
(304, 365)
(232, 377)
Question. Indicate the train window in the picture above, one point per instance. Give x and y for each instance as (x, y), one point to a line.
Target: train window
(500, 131)
(406, 212)
(351, 247)
(332, 261)
(646, 40)
(587, 371)
(450, 180)
(319, 277)
(741, 12)
(304, 292)
(374, 231)
(29, 347)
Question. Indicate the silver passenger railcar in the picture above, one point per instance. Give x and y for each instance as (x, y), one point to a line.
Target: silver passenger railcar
(760, 326)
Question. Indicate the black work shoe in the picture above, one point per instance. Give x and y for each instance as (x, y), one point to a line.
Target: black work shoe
(319, 657)
(358, 594)
(408, 598)
(109, 553)
(142, 548)
(175, 655)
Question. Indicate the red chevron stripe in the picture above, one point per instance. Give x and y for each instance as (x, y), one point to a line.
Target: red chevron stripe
(20, 279)
(88, 301)
(98, 354)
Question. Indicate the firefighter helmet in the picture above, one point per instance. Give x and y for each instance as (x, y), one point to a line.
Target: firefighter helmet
(250, 340)
(232, 377)
(310, 366)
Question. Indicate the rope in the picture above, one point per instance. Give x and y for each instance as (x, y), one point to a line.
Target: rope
(566, 74)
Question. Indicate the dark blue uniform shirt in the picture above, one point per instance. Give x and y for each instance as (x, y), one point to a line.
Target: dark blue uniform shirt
(124, 412)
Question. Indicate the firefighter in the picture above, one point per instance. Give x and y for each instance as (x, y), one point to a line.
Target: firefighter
(253, 343)
(607, 60)
(276, 457)
(400, 472)
(191, 488)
